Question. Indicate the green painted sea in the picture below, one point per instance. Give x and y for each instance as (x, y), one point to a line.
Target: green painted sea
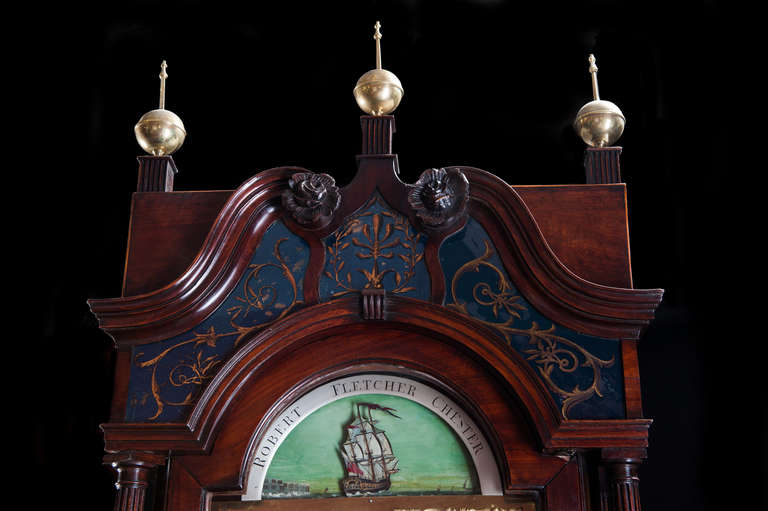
(433, 459)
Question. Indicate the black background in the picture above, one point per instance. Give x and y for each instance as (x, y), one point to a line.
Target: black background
(489, 84)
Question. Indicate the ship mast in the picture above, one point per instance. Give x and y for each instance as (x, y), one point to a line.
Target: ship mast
(365, 439)
(381, 448)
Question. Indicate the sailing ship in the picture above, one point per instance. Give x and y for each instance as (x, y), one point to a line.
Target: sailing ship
(367, 453)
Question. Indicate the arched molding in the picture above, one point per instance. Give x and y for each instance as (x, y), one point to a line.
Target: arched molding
(188, 300)
(436, 328)
(534, 268)
(406, 384)
(550, 286)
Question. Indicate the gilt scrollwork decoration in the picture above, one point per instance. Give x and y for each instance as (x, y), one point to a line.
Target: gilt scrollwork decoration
(312, 198)
(191, 369)
(376, 239)
(439, 197)
(550, 352)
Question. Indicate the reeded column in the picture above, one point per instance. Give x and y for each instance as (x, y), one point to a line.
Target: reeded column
(620, 484)
(135, 472)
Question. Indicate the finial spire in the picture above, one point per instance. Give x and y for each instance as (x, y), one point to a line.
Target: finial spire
(593, 71)
(599, 123)
(160, 132)
(377, 36)
(378, 92)
(163, 76)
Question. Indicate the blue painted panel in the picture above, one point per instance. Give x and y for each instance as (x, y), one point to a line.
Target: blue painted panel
(583, 373)
(167, 376)
(376, 247)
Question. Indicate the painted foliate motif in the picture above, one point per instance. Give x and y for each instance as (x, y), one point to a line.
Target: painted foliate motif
(167, 376)
(576, 368)
(376, 248)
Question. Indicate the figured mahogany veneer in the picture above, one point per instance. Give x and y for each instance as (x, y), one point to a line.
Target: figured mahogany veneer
(165, 234)
(586, 227)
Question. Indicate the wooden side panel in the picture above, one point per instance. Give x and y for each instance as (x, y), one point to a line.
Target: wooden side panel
(565, 492)
(120, 393)
(166, 232)
(184, 491)
(586, 226)
(632, 391)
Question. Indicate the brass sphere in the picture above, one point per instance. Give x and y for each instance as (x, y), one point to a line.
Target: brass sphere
(599, 123)
(160, 132)
(378, 92)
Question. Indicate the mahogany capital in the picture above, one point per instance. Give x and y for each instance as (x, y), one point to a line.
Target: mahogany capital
(135, 474)
(620, 485)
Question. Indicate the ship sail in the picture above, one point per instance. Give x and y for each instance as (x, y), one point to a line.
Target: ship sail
(367, 453)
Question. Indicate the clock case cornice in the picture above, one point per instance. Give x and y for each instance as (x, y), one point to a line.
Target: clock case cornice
(533, 267)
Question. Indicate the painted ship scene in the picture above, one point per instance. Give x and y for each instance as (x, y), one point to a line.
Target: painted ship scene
(367, 453)
(384, 445)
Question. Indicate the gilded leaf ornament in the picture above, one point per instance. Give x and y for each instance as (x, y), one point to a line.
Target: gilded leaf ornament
(375, 249)
(265, 294)
(554, 356)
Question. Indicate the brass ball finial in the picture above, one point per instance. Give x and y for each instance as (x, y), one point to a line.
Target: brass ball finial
(160, 132)
(378, 92)
(599, 123)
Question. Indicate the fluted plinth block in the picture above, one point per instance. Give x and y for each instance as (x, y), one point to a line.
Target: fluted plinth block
(377, 133)
(601, 165)
(156, 174)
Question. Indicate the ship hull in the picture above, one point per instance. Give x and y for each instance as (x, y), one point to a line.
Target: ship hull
(358, 485)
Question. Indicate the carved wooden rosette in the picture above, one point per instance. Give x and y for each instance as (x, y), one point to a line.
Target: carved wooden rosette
(439, 197)
(312, 199)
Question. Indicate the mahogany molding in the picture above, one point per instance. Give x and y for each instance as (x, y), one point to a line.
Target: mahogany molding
(546, 282)
(298, 338)
(186, 301)
(534, 268)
